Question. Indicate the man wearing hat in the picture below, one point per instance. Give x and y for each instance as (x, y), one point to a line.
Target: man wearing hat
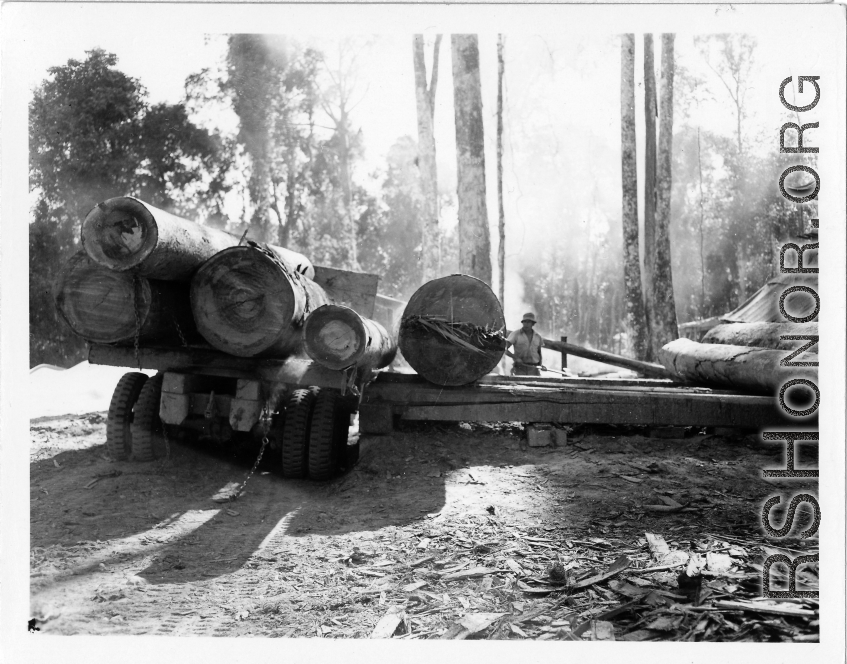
(527, 343)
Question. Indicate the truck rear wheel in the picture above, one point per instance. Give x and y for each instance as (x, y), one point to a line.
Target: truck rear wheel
(119, 419)
(295, 434)
(147, 441)
(328, 434)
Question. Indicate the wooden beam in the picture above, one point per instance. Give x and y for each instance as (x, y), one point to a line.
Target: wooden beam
(193, 359)
(570, 403)
(646, 368)
(356, 290)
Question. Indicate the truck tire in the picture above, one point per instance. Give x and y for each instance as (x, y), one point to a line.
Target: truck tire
(119, 418)
(295, 434)
(147, 441)
(325, 438)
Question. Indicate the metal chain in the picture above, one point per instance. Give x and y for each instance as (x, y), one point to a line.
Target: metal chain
(179, 331)
(266, 418)
(136, 287)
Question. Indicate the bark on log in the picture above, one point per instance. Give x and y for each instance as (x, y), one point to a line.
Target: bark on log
(761, 335)
(738, 367)
(451, 330)
(100, 305)
(125, 234)
(645, 368)
(247, 301)
(337, 337)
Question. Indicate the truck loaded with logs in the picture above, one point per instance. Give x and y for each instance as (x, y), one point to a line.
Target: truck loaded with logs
(223, 322)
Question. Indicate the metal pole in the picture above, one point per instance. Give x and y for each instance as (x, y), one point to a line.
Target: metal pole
(564, 355)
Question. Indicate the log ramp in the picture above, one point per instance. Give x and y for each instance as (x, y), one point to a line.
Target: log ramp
(451, 330)
(248, 301)
(100, 306)
(337, 337)
(125, 234)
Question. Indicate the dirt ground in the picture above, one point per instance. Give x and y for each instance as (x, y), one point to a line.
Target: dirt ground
(440, 531)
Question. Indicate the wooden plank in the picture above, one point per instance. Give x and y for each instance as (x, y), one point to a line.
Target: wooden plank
(395, 378)
(573, 404)
(294, 371)
(356, 290)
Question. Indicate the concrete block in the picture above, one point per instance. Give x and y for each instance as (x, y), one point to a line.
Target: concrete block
(539, 435)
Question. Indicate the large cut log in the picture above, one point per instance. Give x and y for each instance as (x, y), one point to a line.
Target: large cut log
(124, 233)
(247, 301)
(451, 330)
(741, 367)
(760, 335)
(104, 306)
(644, 368)
(337, 337)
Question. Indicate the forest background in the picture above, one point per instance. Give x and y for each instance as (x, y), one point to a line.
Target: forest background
(331, 124)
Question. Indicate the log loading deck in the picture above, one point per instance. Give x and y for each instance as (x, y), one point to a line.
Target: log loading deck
(655, 402)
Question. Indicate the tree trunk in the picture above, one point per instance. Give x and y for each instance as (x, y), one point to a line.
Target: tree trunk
(260, 224)
(649, 193)
(290, 204)
(665, 329)
(474, 242)
(104, 306)
(425, 98)
(635, 322)
(337, 337)
(738, 367)
(702, 255)
(124, 234)
(248, 301)
(761, 335)
(743, 281)
(347, 192)
(501, 225)
(450, 330)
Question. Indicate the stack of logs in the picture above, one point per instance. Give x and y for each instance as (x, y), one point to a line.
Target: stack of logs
(146, 276)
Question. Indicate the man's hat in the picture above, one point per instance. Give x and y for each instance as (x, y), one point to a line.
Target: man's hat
(529, 317)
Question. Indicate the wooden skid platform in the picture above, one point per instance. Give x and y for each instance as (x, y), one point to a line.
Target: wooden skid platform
(291, 371)
(652, 402)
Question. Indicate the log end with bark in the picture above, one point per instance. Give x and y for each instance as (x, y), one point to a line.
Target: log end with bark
(125, 234)
(120, 233)
(337, 337)
(246, 301)
(104, 306)
(451, 330)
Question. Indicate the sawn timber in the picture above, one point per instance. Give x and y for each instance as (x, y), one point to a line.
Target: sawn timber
(652, 402)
